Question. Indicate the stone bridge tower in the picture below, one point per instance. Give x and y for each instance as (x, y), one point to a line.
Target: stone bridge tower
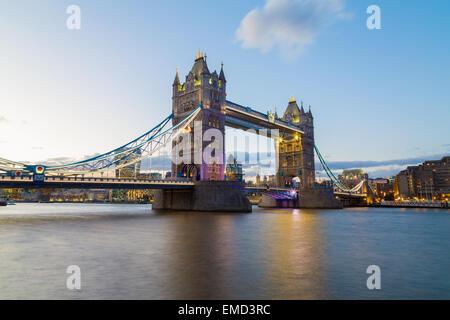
(209, 89)
(296, 153)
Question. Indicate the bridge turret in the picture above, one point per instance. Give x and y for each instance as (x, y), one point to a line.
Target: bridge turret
(203, 87)
(307, 160)
(295, 152)
(176, 84)
(222, 80)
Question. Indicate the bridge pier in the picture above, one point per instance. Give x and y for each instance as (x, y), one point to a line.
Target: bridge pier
(312, 198)
(213, 196)
(308, 198)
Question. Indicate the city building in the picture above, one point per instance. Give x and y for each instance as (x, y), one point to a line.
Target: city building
(128, 171)
(351, 177)
(383, 188)
(233, 171)
(427, 181)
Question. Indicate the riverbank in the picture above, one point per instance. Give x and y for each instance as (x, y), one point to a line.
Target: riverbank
(412, 204)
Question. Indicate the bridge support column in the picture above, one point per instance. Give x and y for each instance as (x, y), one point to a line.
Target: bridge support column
(213, 196)
(311, 198)
(308, 198)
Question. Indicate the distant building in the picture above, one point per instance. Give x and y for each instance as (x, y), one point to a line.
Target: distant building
(128, 171)
(429, 180)
(272, 180)
(351, 177)
(233, 170)
(144, 195)
(383, 188)
(151, 176)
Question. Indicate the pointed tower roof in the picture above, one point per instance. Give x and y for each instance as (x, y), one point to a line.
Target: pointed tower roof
(302, 111)
(230, 159)
(292, 112)
(222, 74)
(200, 65)
(177, 79)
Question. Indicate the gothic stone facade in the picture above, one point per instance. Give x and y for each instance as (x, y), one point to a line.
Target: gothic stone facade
(295, 156)
(209, 89)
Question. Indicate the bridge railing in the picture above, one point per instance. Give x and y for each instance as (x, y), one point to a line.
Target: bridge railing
(96, 179)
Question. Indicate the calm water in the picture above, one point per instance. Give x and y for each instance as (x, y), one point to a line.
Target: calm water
(131, 252)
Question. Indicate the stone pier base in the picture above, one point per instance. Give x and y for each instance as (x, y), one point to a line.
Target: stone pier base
(219, 196)
(318, 199)
(269, 202)
(308, 199)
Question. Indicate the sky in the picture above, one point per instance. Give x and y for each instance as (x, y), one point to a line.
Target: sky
(380, 98)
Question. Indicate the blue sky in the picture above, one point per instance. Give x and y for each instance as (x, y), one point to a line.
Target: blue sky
(376, 95)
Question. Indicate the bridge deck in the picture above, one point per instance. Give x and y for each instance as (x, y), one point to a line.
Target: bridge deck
(92, 183)
(350, 195)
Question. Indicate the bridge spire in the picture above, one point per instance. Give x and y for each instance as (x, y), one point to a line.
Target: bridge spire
(222, 74)
(199, 55)
(177, 79)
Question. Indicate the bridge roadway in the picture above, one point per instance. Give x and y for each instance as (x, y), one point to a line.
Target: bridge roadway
(7, 181)
(28, 182)
(93, 183)
(350, 194)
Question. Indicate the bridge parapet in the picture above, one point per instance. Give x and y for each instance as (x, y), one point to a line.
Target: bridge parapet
(92, 182)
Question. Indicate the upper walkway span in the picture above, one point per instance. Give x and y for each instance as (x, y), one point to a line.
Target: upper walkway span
(241, 117)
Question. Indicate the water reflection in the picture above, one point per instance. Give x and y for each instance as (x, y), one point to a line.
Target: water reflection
(131, 252)
(280, 256)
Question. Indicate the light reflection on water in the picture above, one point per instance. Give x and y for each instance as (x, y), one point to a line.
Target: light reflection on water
(132, 252)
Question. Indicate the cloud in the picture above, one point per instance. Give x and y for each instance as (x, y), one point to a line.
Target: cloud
(377, 169)
(369, 164)
(290, 25)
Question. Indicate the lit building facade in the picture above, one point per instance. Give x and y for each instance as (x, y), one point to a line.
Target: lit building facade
(133, 169)
(233, 170)
(351, 177)
(429, 180)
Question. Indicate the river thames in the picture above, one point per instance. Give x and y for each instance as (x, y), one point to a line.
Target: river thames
(131, 252)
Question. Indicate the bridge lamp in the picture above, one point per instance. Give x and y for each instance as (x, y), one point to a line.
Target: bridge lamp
(39, 169)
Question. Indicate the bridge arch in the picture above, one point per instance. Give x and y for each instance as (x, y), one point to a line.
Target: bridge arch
(190, 171)
(292, 181)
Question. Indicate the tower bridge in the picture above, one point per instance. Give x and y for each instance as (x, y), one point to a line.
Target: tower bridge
(199, 107)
